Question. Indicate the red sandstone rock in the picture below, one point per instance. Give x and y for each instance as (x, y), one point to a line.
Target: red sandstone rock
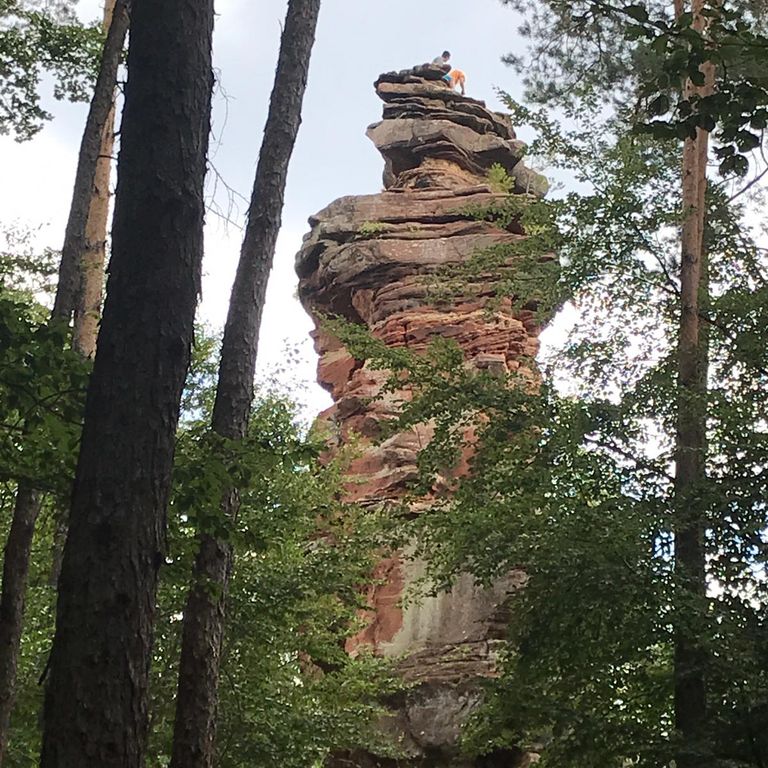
(376, 260)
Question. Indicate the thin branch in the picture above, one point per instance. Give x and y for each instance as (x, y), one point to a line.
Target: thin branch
(630, 456)
(748, 186)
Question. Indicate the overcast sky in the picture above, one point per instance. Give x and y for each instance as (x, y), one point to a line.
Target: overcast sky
(357, 39)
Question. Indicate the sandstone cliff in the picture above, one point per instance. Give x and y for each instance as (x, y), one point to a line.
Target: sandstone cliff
(373, 260)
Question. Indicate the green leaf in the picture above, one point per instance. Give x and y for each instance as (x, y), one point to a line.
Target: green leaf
(636, 12)
(725, 151)
(659, 45)
(734, 165)
(747, 141)
(706, 122)
(659, 105)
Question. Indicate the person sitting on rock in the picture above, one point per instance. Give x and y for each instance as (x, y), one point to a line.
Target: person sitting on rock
(441, 62)
(456, 79)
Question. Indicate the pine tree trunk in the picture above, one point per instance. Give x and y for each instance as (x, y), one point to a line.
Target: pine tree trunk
(690, 657)
(15, 574)
(203, 632)
(91, 273)
(96, 700)
(93, 249)
(87, 161)
(27, 506)
(87, 308)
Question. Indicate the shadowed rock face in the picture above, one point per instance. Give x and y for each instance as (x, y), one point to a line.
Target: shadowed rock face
(375, 260)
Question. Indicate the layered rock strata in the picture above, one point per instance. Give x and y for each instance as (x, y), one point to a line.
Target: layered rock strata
(375, 260)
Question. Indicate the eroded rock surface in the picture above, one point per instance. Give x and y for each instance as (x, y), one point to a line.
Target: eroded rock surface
(376, 260)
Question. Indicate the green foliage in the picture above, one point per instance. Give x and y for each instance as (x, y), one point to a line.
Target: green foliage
(199, 391)
(636, 56)
(42, 381)
(738, 109)
(586, 672)
(524, 272)
(573, 485)
(289, 692)
(369, 229)
(25, 272)
(500, 180)
(24, 745)
(38, 39)
(42, 386)
(505, 213)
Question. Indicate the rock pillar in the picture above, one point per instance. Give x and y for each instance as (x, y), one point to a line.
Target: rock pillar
(374, 259)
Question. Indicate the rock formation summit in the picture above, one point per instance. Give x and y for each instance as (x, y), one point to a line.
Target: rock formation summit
(375, 260)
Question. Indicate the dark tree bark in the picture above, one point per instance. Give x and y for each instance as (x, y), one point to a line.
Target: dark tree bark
(15, 574)
(90, 149)
(96, 700)
(27, 506)
(195, 725)
(690, 657)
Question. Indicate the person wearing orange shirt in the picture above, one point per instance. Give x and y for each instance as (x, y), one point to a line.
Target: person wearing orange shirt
(457, 79)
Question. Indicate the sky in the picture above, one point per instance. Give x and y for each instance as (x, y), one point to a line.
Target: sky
(356, 40)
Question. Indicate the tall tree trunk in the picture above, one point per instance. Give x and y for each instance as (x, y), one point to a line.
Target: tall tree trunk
(88, 298)
(27, 506)
(690, 657)
(93, 249)
(87, 161)
(15, 574)
(196, 703)
(96, 700)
